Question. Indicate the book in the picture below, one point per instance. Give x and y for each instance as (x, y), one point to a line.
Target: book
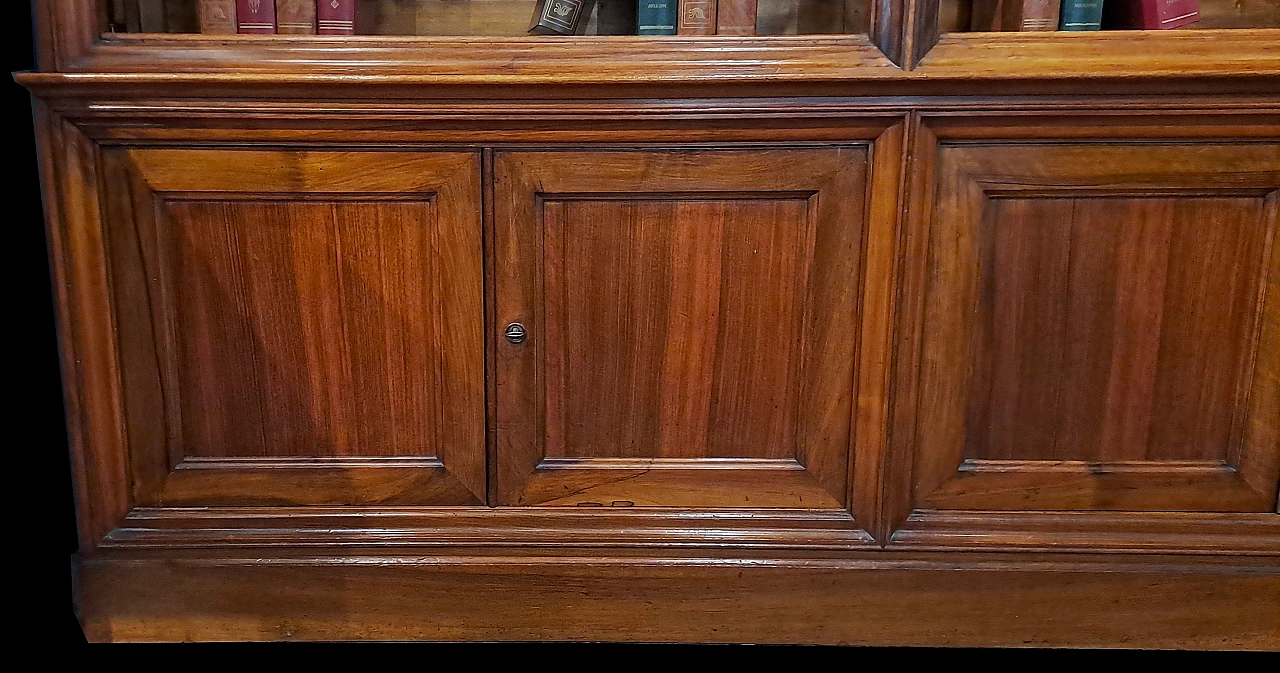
(697, 17)
(296, 17)
(614, 17)
(151, 16)
(218, 17)
(656, 17)
(857, 17)
(1150, 14)
(336, 17)
(1080, 15)
(1015, 15)
(125, 16)
(560, 17)
(736, 17)
(256, 17)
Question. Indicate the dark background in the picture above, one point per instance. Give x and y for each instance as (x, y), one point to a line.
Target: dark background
(40, 503)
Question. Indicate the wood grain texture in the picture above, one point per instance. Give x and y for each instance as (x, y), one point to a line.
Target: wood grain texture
(87, 350)
(873, 476)
(1147, 537)
(775, 541)
(1184, 62)
(658, 304)
(664, 327)
(300, 310)
(1114, 329)
(733, 600)
(76, 30)
(1095, 323)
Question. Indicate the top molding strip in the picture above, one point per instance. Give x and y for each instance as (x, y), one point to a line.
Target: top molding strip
(904, 33)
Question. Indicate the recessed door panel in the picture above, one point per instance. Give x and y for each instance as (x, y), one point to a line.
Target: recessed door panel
(1100, 330)
(692, 319)
(301, 327)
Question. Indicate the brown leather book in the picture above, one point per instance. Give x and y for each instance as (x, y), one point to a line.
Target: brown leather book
(296, 17)
(218, 17)
(1015, 15)
(697, 17)
(736, 17)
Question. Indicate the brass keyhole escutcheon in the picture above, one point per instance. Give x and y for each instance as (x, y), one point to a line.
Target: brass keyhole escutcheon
(516, 333)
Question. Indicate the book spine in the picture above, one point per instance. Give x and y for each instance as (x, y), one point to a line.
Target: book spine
(151, 16)
(560, 17)
(256, 17)
(736, 17)
(1081, 15)
(697, 17)
(1166, 14)
(1032, 15)
(218, 17)
(336, 17)
(296, 17)
(616, 17)
(985, 15)
(656, 17)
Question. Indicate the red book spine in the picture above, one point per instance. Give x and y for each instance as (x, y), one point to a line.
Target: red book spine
(1173, 13)
(256, 17)
(697, 17)
(736, 17)
(336, 17)
(1151, 14)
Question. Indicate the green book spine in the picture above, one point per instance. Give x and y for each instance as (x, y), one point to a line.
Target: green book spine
(1081, 15)
(657, 17)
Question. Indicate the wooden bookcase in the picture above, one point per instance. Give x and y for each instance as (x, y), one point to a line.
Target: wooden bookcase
(893, 335)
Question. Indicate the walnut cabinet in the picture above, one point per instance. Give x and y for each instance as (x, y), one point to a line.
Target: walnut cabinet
(906, 337)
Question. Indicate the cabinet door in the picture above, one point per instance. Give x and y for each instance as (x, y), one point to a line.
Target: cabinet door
(691, 319)
(1101, 329)
(298, 327)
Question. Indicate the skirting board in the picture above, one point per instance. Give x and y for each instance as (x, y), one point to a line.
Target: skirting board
(899, 599)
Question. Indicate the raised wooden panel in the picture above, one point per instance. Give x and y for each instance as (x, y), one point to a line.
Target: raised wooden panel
(1113, 329)
(1100, 329)
(300, 327)
(672, 327)
(309, 329)
(693, 326)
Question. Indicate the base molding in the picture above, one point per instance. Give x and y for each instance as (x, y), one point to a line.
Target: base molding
(862, 599)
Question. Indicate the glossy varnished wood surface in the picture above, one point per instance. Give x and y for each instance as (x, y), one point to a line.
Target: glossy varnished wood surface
(688, 347)
(1032, 397)
(834, 602)
(662, 325)
(300, 327)
(1137, 152)
(1114, 329)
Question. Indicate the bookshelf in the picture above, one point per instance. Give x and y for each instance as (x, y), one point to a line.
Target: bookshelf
(501, 17)
(956, 16)
(866, 328)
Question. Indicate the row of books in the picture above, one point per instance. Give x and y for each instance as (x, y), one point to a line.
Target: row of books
(268, 17)
(653, 17)
(551, 17)
(648, 17)
(1033, 15)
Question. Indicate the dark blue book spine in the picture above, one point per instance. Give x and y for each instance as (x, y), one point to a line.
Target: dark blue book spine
(657, 17)
(1081, 15)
